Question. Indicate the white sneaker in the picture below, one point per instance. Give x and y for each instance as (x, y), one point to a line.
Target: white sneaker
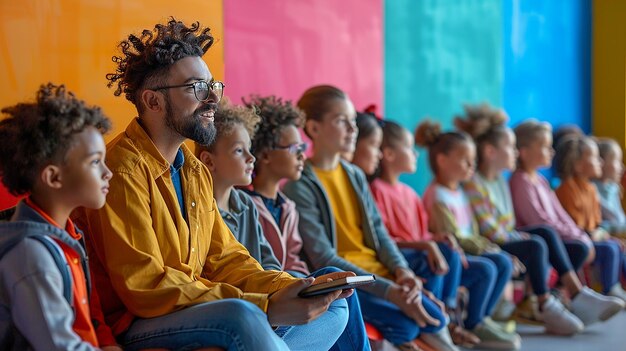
(494, 338)
(441, 340)
(558, 320)
(592, 307)
(617, 291)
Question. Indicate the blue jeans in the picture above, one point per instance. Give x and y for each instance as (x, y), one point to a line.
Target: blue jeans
(397, 327)
(354, 336)
(485, 279)
(577, 252)
(233, 324)
(533, 253)
(608, 259)
(444, 287)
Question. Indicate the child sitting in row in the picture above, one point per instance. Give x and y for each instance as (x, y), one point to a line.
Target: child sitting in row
(535, 204)
(577, 162)
(229, 159)
(609, 189)
(231, 163)
(452, 158)
(340, 226)
(539, 247)
(53, 151)
(406, 219)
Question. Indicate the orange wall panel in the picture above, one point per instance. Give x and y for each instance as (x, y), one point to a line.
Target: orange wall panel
(72, 42)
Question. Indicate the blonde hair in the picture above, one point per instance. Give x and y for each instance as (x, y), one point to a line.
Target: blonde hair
(605, 146)
(530, 131)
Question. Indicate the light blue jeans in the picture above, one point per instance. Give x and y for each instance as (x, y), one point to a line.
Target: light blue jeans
(233, 324)
(354, 336)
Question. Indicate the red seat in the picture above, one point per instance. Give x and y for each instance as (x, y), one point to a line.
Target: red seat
(373, 333)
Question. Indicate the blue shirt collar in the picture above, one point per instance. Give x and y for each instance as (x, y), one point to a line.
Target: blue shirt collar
(179, 161)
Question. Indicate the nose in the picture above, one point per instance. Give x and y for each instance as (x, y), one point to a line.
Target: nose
(352, 126)
(107, 175)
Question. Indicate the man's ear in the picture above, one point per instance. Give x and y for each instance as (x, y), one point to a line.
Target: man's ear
(51, 177)
(207, 158)
(152, 100)
(312, 128)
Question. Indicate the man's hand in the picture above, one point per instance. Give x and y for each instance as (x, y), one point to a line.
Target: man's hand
(336, 275)
(285, 307)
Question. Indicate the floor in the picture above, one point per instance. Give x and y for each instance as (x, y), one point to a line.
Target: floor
(610, 336)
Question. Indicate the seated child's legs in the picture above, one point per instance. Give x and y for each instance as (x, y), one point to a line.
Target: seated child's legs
(418, 263)
(319, 334)
(479, 279)
(533, 253)
(452, 279)
(224, 323)
(395, 326)
(504, 266)
(354, 336)
(557, 252)
(577, 252)
(608, 258)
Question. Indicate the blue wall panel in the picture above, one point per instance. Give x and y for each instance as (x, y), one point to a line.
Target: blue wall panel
(547, 61)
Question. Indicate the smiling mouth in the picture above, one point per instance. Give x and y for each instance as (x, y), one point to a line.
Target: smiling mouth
(209, 115)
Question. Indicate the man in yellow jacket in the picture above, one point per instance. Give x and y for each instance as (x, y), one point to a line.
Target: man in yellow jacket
(169, 272)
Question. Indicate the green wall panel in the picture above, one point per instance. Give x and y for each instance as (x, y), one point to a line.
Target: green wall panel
(440, 55)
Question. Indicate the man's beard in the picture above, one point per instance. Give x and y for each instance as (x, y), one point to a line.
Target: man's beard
(191, 126)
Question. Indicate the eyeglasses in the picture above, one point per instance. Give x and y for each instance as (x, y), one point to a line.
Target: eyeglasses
(294, 149)
(202, 89)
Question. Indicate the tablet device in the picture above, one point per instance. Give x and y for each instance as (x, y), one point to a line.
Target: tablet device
(337, 284)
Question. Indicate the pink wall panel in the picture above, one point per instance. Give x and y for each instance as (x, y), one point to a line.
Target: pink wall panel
(283, 47)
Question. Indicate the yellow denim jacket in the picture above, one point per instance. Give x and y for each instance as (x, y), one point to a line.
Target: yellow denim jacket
(157, 262)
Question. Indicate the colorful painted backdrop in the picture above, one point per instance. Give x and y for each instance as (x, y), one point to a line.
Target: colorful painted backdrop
(415, 59)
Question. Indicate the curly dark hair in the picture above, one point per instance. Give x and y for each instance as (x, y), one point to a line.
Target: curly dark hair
(428, 134)
(40, 133)
(485, 124)
(227, 117)
(276, 114)
(146, 59)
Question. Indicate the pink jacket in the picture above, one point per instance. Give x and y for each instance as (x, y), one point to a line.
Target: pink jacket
(535, 204)
(284, 238)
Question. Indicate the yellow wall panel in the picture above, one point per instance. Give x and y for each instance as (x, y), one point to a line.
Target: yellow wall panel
(72, 42)
(609, 69)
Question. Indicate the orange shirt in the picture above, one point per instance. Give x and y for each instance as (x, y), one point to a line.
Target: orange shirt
(82, 321)
(580, 199)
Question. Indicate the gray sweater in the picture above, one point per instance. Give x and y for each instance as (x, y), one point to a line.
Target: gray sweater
(34, 314)
(243, 222)
(317, 226)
